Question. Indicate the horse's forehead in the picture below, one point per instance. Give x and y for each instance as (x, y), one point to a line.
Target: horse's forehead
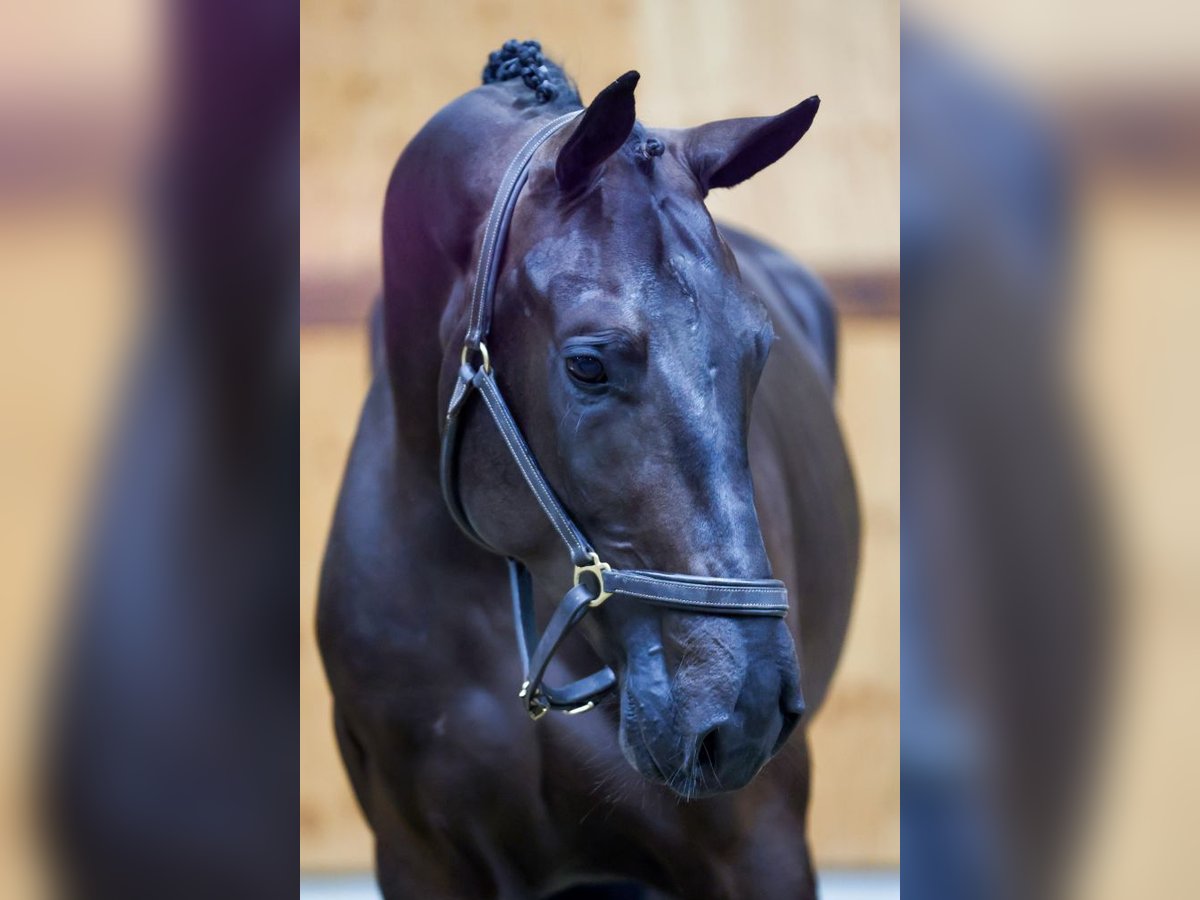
(630, 242)
(665, 212)
(569, 275)
(681, 298)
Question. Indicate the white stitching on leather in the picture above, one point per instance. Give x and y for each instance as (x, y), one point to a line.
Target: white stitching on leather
(491, 233)
(456, 396)
(644, 592)
(629, 576)
(493, 227)
(617, 580)
(525, 463)
(689, 601)
(489, 242)
(483, 277)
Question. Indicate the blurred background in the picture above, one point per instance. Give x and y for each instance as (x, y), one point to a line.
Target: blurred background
(1050, 219)
(69, 280)
(373, 73)
(148, 226)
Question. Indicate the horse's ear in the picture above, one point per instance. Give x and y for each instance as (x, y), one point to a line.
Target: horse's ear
(725, 153)
(601, 131)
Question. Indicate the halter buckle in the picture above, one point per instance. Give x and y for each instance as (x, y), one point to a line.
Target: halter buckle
(597, 570)
(467, 350)
(535, 705)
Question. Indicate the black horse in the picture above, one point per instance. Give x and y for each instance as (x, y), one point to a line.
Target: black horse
(630, 337)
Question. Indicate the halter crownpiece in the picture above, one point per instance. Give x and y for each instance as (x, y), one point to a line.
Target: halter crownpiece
(594, 580)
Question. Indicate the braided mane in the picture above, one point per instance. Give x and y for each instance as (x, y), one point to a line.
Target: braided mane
(524, 60)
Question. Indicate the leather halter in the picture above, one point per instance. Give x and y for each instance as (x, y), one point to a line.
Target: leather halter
(595, 581)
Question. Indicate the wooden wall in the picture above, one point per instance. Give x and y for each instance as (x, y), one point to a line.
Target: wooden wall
(373, 71)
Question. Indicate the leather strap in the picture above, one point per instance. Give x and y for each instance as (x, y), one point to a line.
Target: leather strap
(578, 547)
(717, 596)
(496, 231)
(449, 459)
(595, 582)
(484, 383)
(538, 696)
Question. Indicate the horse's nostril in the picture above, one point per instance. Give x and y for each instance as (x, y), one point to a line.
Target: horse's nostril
(791, 718)
(706, 749)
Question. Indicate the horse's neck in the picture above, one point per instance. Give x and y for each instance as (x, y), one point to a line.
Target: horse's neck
(428, 235)
(437, 203)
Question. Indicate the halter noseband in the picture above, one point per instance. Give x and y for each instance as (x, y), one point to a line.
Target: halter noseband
(595, 581)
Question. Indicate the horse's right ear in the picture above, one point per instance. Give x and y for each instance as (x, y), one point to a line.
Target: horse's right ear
(601, 131)
(722, 154)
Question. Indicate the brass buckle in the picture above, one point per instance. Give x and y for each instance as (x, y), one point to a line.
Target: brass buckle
(597, 569)
(536, 706)
(483, 352)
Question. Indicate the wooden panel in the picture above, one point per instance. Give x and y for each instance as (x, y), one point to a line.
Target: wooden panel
(856, 738)
(346, 298)
(373, 72)
(68, 274)
(333, 382)
(856, 805)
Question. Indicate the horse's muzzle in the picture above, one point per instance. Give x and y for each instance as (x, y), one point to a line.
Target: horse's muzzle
(723, 753)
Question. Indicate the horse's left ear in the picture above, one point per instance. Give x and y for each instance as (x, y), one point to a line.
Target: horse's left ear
(600, 133)
(725, 153)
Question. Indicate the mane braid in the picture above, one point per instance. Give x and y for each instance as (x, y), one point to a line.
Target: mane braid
(524, 60)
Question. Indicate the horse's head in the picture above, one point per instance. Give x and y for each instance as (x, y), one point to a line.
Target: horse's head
(630, 351)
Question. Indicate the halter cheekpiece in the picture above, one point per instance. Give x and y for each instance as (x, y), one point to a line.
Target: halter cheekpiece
(594, 580)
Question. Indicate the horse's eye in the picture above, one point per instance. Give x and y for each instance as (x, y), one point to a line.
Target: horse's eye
(587, 369)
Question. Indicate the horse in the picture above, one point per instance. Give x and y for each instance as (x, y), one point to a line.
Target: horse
(673, 381)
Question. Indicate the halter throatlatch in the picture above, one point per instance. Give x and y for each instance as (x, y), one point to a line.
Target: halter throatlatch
(595, 581)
